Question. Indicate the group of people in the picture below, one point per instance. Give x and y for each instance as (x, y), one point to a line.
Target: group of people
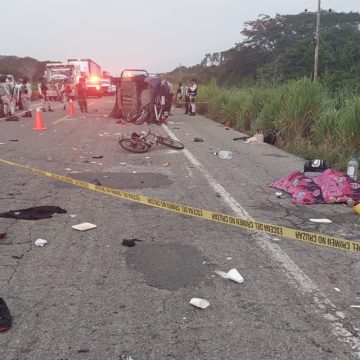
(14, 95)
(188, 93)
(185, 93)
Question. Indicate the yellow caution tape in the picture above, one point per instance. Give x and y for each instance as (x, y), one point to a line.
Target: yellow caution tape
(249, 224)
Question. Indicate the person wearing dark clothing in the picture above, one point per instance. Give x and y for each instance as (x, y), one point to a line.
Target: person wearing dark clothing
(162, 96)
(81, 95)
(42, 88)
(187, 98)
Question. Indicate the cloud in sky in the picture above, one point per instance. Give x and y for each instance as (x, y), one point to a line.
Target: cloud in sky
(156, 35)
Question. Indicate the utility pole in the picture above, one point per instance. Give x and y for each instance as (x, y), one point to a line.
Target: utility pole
(317, 39)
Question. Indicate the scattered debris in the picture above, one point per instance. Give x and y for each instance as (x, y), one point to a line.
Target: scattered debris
(5, 316)
(279, 194)
(40, 242)
(83, 351)
(337, 289)
(34, 213)
(97, 157)
(2, 235)
(233, 275)
(67, 169)
(147, 157)
(241, 138)
(84, 226)
(323, 221)
(129, 242)
(126, 356)
(200, 303)
(96, 182)
(14, 140)
(166, 164)
(198, 139)
(258, 138)
(224, 154)
(355, 306)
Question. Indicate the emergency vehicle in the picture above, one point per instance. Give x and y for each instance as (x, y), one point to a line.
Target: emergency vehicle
(91, 72)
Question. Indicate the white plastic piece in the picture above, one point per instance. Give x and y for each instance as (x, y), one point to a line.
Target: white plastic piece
(233, 275)
(323, 221)
(200, 303)
(40, 242)
(84, 226)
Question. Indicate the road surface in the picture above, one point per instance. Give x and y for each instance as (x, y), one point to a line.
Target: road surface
(86, 296)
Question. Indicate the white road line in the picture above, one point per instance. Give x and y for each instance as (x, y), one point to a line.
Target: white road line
(298, 279)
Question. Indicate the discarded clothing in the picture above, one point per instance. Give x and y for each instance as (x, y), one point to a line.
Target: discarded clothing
(5, 316)
(329, 187)
(33, 213)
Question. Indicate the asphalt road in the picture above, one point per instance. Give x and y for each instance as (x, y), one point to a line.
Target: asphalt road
(86, 296)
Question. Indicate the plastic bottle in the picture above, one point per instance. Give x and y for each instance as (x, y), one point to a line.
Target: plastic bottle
(224, 154)
(352, 168)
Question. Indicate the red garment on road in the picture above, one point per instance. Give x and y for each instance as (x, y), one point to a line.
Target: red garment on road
(330, 187)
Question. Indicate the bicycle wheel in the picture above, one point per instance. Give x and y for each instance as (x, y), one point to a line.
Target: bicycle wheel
(141, 117)
(171, 143)
(135, 146)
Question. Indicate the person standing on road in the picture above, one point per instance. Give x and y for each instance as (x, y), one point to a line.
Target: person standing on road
(6, 98)
(65, 91)
(162, 96)
(81, 95)
(187, 98)
(42, 88)
(25, 95)
(192, 96)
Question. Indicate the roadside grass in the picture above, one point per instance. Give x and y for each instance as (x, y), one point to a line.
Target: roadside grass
(310, 122)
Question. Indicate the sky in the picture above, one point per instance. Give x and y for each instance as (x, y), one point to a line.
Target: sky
(156, 35)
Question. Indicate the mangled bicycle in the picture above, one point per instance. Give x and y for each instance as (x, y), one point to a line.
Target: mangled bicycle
(142, 142)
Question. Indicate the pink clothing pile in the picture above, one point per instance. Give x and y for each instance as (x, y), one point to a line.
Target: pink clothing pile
(328, 187)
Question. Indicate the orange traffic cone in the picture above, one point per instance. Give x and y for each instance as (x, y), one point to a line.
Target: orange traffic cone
(71, 108)
(39, 123)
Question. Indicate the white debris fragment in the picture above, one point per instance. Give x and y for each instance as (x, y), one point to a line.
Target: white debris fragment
(40, 242)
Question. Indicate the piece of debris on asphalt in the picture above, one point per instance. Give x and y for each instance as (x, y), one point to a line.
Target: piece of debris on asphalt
(67, 169)
(96, 182)
(200, 303)
(14, 140)
(129, 242)
(34, 213)
(97, 157)
(166, 164)
(241, 138)
(125, 355)
(337, 289)
(5, 316)
(2, 235)
(40, 242)
(218, 195)
(233, 275)
(278, 194)
(147, 157)
(83, 351)
(84, 226)
(322, 221)
(355, 306)
(175, 128)
(198, 139)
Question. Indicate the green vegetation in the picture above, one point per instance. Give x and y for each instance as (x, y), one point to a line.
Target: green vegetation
(265, 83)
(308, 120)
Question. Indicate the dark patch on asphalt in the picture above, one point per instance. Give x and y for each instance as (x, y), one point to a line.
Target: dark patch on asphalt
(170, 266)
(115, 180)
(276, 155)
